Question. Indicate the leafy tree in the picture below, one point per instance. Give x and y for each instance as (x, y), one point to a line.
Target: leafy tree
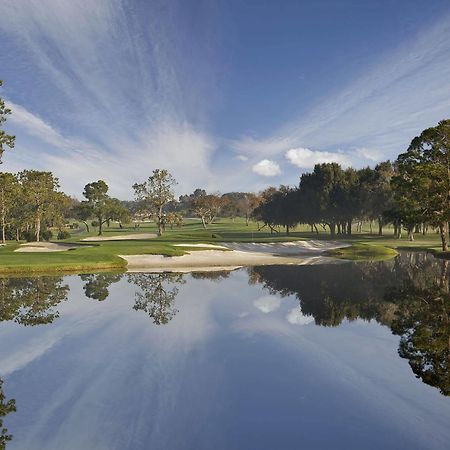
(9, 195)
(207, 207)
(422, 184)
(6, 140)
(155, 194)
(97, 202)
(40, 195)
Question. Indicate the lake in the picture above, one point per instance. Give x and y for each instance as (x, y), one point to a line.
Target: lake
(342, 356)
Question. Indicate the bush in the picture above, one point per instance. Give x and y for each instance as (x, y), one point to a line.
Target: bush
(46, 235)
(63, 234)
(94, 223)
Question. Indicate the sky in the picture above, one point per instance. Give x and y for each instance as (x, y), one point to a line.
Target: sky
(227, 95)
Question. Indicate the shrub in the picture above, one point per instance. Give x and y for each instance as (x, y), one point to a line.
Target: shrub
(46, 235)
(94, 223)
(63, 234)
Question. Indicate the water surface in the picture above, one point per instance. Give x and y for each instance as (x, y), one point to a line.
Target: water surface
(342, 356)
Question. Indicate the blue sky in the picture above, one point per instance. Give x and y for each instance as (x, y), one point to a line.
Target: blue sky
(228, 95)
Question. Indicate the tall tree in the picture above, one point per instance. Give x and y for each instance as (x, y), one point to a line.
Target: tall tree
(40, 193)
(97, 202)
(9, 195)
(423, 179)
(155, 194)
(6, 140)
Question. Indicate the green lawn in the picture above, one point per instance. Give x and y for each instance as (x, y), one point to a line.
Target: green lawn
(103, 255)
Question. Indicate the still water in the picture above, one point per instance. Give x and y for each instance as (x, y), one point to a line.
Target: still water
(341, 356)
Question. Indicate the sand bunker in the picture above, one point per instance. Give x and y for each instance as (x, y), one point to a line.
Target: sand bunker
(45, 247)
(294, 253)
(312, 247)
(221, 247)
(121, 237)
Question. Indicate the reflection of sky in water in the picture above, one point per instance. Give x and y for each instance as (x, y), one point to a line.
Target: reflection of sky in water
(235, 368)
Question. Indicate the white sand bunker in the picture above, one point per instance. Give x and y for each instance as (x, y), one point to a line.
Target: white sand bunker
(121, 237)
(45, 247)
(221, 247)
(287, 248)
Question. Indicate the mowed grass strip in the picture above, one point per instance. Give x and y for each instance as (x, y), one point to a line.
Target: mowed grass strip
(102, 255)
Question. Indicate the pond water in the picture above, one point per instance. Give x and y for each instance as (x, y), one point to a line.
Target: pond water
(342, 356)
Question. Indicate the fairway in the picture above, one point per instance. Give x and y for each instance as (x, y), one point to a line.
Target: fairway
(103, 254)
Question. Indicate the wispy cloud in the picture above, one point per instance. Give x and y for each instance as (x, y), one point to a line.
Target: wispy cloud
(116, 88)
(398, 95)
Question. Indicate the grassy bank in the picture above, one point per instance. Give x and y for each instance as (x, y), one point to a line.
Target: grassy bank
(104, 255)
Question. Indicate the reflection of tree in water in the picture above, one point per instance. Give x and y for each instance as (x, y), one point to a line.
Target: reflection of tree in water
(31, 301)
(97, 284)
(409, 294)
(6, 407)
(422, 321)
(215, 275)
(157, 296)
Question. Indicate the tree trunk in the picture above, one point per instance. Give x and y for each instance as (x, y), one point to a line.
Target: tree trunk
(246, 220)
(332, 229)
(287, 229)
(3, 229)
(371, 226)
(100, 225)
(315, 226)
(380, 227)
(411, 233)
(38, 228)
(443, 227)
(86, 225)
(203, 222)
(349, 227)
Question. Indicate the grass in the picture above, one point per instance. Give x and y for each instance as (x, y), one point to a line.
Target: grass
(363, 252)
(104, 255)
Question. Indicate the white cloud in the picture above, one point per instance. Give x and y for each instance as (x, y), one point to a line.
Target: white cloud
(267, 168)
(267, 304)
(296, 317)
(307, 159)
(369, 154)
(242, 158)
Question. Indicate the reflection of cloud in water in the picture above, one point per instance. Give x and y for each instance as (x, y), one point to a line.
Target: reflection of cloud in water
(267, 304)
(296, 317)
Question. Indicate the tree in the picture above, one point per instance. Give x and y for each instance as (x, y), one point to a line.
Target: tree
(207, 207)
(97, 202)
(9, 193)
(154, 194)
(40, 194)
(422, 183)
(115, 210)
(82, 211)
(6, 140)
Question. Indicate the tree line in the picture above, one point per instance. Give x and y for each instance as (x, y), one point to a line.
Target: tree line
(412, 193)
